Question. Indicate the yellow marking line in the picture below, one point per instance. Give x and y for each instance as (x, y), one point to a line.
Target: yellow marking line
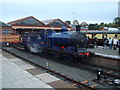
(85, 82)
(93, 86)
(81, 82)
(74, 84)
(110, 71)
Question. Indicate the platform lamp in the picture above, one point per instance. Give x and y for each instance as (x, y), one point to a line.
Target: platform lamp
(32, 29)
(86, 27)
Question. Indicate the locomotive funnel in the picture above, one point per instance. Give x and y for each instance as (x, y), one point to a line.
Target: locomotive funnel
(78, 27)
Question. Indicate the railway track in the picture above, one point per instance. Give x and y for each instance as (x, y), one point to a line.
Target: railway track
(111, 72)
(52, 69)
(107, 71)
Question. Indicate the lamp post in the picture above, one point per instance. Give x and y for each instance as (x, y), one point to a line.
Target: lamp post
(32, 29)
(86, 27)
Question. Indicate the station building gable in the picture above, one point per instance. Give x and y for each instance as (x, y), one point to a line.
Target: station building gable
(28, 21)
(27, 24)
(55, 23)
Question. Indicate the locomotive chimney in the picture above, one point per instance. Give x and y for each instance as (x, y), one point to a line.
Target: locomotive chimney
(78, 27)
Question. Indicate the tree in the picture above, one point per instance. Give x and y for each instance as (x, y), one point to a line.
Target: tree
(117, 21)
(112, 25)
(75, 22)
(101, 26)
(83, 24)
(68, 22)
(93, 26)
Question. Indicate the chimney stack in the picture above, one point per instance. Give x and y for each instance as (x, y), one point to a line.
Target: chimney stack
(78, 28)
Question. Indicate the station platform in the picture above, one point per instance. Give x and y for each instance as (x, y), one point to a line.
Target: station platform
(20, 74)
(110, 53)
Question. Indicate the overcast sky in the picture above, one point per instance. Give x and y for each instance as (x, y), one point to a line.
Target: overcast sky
(82, 10)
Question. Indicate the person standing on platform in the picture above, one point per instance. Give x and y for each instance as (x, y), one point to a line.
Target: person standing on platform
(96, 42)
(115, 41)
(88, 38)
(110, 42)
(119, 46)
(105, 43)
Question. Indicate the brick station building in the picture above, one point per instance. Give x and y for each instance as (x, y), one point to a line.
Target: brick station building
(31, 24)
(5, 29)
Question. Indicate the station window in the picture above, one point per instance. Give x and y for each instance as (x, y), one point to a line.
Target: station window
(6, 32)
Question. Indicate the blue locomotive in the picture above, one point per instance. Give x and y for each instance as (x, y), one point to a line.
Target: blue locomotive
(70, 45)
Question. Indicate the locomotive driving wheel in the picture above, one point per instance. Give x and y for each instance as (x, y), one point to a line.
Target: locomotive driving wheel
(68, 58)
(55, 55)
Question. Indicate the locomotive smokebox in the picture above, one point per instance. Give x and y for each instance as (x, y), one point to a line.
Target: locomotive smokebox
(78, 28)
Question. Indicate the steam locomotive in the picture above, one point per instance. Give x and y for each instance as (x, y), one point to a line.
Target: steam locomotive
(69, 45)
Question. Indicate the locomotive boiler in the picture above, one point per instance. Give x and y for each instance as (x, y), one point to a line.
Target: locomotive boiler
(68, 39)
(69, 45)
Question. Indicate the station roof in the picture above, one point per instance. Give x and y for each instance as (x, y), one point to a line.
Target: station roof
(101, 32)
(33, 23)
(2, 24)
(55, 23)
(48, 21)
(111, 29)
(29, 21)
